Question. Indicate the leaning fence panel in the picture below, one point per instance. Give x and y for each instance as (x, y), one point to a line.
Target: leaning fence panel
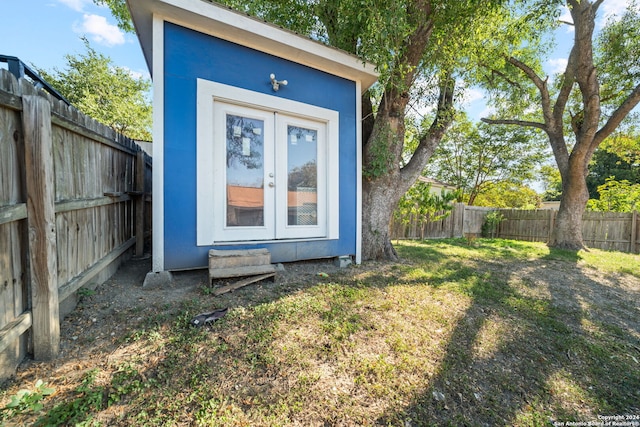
(81, 220)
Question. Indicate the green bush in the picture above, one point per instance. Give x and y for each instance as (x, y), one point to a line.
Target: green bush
(491, 222)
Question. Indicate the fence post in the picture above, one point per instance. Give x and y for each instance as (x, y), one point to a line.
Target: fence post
(457, 224)
(634, 232)
(139, 201)
(41, 221)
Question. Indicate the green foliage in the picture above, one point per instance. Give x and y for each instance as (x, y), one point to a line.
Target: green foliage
(625, 145)
(27, 400)
(506, 194)
(85, 292)
(89, 399)
(551, 181)
(379, 154)
(616, 196)
(480, 158)
(421, 203)
(491, 222)
(524, 29)
(618, 157)
(107, 93)
(617, 48)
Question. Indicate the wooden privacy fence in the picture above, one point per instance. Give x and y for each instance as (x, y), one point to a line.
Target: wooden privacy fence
(72, 206)
(612, 231)
(603, 230)
(463, 220)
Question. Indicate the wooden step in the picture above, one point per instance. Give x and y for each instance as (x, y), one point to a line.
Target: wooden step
(237, 263)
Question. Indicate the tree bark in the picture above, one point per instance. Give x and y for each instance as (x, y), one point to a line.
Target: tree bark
(381, 199)
(567, 233)
(384, 182)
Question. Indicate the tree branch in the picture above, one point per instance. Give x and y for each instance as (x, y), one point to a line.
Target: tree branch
(429, 141)
(540, 84)
(596, 4)
(547, 111)
(617, 117)
(565, 89)
(502, 75)
(515, 122)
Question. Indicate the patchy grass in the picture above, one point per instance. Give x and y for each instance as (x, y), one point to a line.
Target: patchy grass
(495, 332)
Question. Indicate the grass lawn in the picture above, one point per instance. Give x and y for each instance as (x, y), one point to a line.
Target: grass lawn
(492, 333)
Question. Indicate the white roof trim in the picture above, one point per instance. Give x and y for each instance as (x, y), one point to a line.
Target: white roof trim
(227, 24)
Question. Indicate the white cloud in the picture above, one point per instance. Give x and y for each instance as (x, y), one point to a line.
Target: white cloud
(557, 65)
(613, 9)
(487, 111)
(474, 102)
(472, 94)
(137, 74)
(99, 30)
(77, 5)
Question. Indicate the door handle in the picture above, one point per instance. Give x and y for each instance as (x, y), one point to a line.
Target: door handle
(271, 185)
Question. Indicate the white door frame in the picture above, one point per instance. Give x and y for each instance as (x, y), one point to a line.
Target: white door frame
(208, 210)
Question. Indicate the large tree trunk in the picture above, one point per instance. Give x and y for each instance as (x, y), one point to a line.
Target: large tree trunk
(381, 200)
(567, 233)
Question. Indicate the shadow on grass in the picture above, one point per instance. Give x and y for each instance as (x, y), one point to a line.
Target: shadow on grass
(540, 365)
(520, 349)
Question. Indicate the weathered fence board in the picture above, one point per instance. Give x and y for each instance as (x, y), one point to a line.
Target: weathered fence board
(607, 230)
(531, 225)
(41, 220)
(14, 298)
(68, 210)
(473, 218)
(603, 230)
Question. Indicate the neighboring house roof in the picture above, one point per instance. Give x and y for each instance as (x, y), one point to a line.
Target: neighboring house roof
(219, 21)
(554, 205)
(436, 183)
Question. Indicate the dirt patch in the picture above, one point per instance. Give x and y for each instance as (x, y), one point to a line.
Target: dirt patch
(120, 304)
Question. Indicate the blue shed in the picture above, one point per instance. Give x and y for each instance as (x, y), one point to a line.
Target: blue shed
(256, 136)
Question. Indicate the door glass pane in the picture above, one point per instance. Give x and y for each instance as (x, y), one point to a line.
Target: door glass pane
(302, 181)
(245, 171)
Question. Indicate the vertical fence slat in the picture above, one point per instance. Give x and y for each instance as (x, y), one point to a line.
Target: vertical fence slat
(140, 169)
(42, 225)
(634, 232)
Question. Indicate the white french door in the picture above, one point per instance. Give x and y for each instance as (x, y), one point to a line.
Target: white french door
(267, 167)
(301, 170)
(270, 174)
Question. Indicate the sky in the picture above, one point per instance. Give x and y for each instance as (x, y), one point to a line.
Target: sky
(42, 32)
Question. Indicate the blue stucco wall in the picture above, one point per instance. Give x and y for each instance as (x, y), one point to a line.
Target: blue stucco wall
(190, 55)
